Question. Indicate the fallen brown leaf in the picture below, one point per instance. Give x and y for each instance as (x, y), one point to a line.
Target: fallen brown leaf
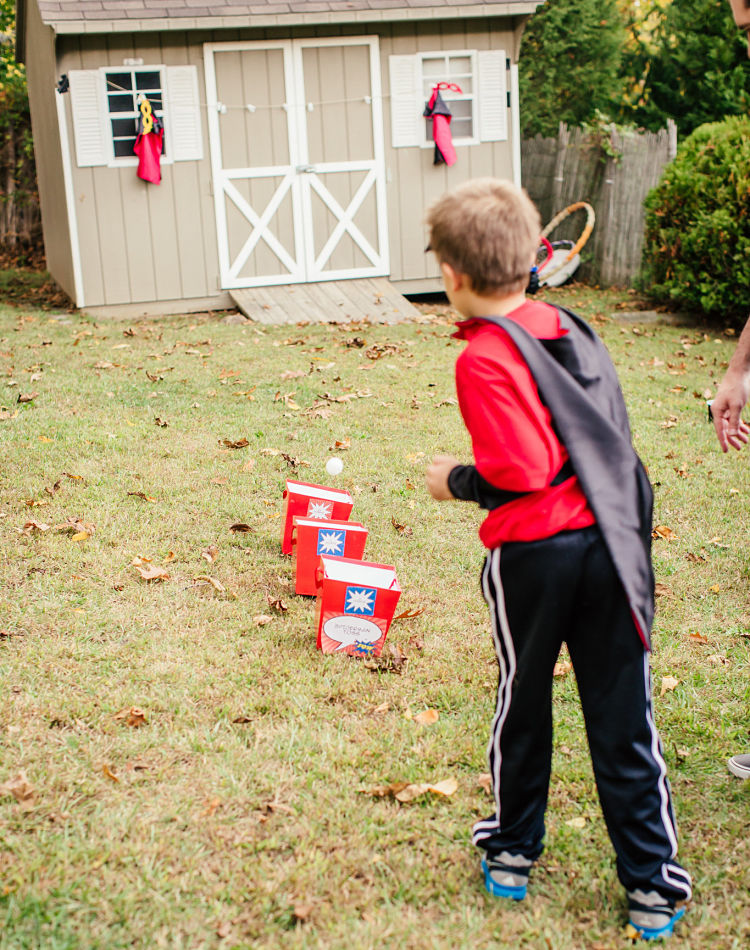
(260, 620)
(427, 717)
(409, 614)
(205, 579)
(153, 573)
(661, 590)
(401, 528)
(276, 603)
(133, 716)
(21, 789)
(241, 528)
(140, 494)
(668, 684)
(662, 531)
(31, 526)
(562, 668)
(485, 782)
(210, 554)
(697, 638)
(238, 444)
(109, 773)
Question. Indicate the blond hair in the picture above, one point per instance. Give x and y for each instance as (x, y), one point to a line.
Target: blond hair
(488, 230)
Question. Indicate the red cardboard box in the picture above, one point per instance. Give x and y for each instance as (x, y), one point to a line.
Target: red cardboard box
(356, 603)
(312, 501)
(311, 539)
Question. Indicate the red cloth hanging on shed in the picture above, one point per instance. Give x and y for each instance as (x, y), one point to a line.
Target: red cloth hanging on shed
(149, 144)
(437, 110)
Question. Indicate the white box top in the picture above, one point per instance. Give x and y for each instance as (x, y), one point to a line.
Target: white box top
(360, 572)
(318, 491)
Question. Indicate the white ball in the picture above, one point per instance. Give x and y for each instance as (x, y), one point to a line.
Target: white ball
(334, 466)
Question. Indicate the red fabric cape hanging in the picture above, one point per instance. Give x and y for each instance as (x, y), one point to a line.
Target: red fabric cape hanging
(437, 110)
(148, 148)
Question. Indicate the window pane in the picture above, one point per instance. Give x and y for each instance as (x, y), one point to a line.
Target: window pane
(147, 80)
(124, 148)
(460, 108)
(119, 82)
(465, 84)
(155, 100)
(435, 68)
(120, 103)
(462, 128)
(460, 66)
(121, 127)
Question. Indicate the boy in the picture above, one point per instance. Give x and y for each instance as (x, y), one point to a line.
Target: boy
(568, 538)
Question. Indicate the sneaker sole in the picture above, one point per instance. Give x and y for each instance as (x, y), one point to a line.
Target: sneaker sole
(738, 770)
(656, 934)
(501, 890)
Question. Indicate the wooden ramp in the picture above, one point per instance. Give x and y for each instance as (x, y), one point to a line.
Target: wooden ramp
(341, 301)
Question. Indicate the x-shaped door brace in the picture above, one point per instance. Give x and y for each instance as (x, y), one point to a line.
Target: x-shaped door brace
(345, 218)
(260, 224)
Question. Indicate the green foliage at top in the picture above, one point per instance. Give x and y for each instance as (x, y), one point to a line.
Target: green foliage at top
(697, 246)
(569, 66)
(692, 67)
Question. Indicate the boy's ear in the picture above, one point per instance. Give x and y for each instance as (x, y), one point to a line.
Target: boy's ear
(453, 278)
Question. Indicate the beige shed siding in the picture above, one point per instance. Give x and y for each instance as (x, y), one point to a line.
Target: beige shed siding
(141, 242)
(42, 77)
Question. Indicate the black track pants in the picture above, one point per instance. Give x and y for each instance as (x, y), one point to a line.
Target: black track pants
(542, 593)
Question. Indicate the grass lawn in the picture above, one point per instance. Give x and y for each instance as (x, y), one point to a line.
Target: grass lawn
(233, 808)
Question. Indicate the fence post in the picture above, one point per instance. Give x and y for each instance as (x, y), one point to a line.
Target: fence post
(671, 140)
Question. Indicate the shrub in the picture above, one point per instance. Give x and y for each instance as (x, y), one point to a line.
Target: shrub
(697, 245)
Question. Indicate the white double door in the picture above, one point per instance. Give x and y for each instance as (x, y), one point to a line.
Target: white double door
(296, 136)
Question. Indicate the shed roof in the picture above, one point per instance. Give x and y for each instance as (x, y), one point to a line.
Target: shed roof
(108, 16)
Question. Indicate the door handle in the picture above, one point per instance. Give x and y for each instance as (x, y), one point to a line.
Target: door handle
(304, 169)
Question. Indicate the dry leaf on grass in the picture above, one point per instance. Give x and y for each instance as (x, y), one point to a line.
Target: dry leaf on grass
(210, 808)
(427, 717)
(21, 789)
(153, 573)
(210, 554)
(402, 529)
(562, 668)
(132, 716)
(668, 683)
(260, 620)
(485, 782)
(405, 792)
(31, 526)
(238, 444)
(393, 661)
(661, 590)
(162, 423)
(109, 773)
(276, 603)
(662, 531)
(697, 638)
(241, 528)
(203, 579)
(141, 494)
(224, 929)
(576, 822)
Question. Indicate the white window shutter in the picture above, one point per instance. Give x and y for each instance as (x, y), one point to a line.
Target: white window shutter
(493, 96)
(90, 124)
(182, 114)
(407, 124)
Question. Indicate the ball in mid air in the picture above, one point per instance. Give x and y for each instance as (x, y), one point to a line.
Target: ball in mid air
(334, 466)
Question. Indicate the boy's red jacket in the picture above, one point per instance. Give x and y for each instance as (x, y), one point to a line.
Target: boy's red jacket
(515, 446)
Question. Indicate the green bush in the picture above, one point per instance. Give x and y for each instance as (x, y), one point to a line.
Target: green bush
(697, 246)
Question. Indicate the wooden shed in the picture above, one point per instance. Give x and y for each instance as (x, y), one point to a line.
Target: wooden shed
(295, 149)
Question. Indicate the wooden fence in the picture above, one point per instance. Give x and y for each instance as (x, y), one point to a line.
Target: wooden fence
(614, 176)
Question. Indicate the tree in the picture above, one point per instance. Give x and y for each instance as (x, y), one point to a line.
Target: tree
(570, 64)
(691, 67)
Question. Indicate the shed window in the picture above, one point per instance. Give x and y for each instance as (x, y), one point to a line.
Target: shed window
(123, 90)
(456, 68)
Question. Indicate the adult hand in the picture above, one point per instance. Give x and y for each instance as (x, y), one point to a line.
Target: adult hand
(730, 399)
(437, 477)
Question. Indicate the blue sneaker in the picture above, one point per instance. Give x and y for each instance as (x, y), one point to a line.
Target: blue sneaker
(506, 875)
(651, 916)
